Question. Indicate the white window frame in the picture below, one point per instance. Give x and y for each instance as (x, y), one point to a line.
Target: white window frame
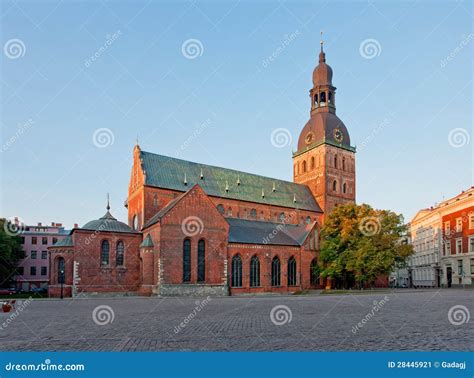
(458, 224)
(457, 241)
(470, 244)
(447, 227)
(447, 248)
(471, 222)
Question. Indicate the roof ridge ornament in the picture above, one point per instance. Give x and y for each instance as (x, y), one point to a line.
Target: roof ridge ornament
(322, 55)
(238, 180)
(202, 175)
(263, 193)
(185, 182)
(226, 186)
(294, 197)
(274, 187)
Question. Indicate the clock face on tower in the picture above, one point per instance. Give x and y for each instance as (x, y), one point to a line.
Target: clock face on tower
(309, 138)
(338, 136)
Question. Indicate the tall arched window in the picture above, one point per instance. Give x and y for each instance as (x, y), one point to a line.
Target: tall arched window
(61, 270)
(201, 263)
(343, 163)
(276, 270)
(314, 272)
(312, 162)
(220, 208)
(335, 161)
(187, 260)
(282, 217)
(135, 222)
(236, 279)
(334, 185)
(253, 214)
(292, 271)
(119, 254)
(344, 188)
(104, 253)
(304, 166)
(254, 271)
(316, 99)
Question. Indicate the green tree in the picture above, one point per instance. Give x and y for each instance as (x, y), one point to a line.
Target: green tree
(11, 251)
(359, 244)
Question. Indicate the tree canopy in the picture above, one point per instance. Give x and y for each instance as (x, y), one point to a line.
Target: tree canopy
(360, 244)
(11, 251)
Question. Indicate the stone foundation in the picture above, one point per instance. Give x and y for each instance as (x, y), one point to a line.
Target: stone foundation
(190, 290)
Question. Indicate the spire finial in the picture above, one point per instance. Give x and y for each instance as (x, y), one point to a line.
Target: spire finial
(108, 202)
(322, 55)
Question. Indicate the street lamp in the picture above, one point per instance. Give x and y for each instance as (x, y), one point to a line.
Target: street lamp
(62, 282)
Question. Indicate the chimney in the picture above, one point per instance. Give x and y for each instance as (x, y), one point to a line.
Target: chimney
(52, 224)
(39, 224)
(76, 225)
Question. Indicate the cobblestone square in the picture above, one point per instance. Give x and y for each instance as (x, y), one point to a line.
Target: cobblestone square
(398, 320)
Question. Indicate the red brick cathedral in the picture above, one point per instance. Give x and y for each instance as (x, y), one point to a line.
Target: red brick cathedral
(195, 229)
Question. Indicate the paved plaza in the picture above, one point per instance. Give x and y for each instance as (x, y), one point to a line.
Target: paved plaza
(402, 320)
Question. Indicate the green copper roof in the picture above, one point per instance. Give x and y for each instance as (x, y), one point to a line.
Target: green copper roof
(176, 174)
(147, 242)
(107, 223)
(64, 242)
(259, 232)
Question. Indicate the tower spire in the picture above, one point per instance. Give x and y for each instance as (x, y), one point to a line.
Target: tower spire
(322, 55)
(108, 202)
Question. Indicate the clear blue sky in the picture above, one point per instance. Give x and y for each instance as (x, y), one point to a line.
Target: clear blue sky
(221, 107)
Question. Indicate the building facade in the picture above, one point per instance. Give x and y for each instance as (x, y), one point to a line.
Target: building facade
(443, 242)
(33, 270)
(196, 229)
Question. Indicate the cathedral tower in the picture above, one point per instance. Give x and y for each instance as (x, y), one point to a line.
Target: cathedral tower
(325, 159)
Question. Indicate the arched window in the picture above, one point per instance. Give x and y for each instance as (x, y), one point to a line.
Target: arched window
(276, 269)
(201, 263)
(104, 253)
(119, 254)
(155, 200)
(330, 97)
(254, 271)
(344, 188)
(334, 185)
(322, 97)
(304, 166)
(314, 272)
(291, 271)
(135, 222)
(220, 208)
(236, 279)
(343, 163)
(335, 161)
(312, 162)
(61, 270)
(229, 211)
(187, 260)
(253, 214)
(308, 220)
(316, 99)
